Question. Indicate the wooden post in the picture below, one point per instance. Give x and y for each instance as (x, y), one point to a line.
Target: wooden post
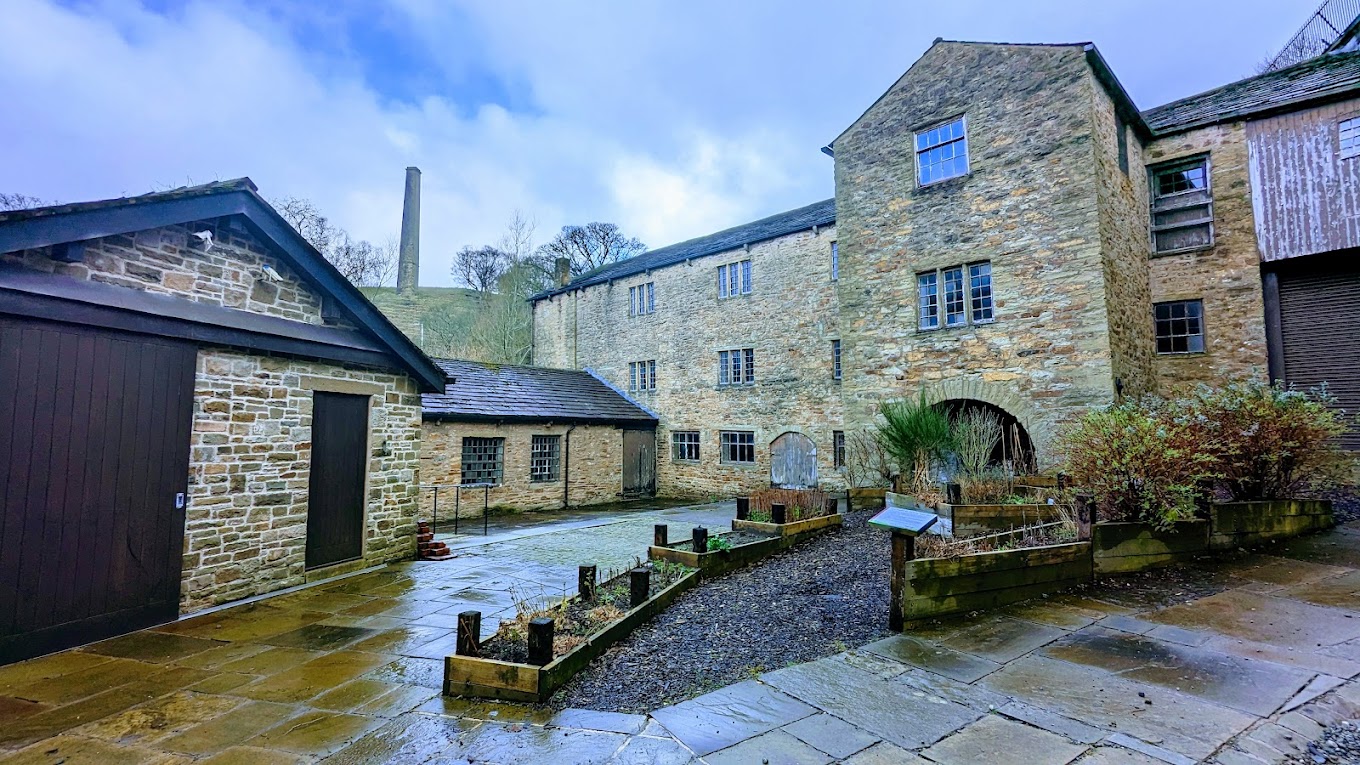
(743, 508)
(953, 493)
(903, 550)
(700, 539)
(659, 532)
(778, 514)
(541, 641)
(1085, 516)
(585, 582)
(469, 634)
(833, 506)
(639, 586)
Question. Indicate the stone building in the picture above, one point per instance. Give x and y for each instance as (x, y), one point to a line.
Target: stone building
(529, 438)
(1008, 231)
(196, 408)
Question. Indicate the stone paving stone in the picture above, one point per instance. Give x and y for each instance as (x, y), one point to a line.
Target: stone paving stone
(773, 748)
(1279, 571)
(154, 647)
(315, 734)
(646, 750)
(402, 640)
(46, 668)
(1257, 687)
(314, 677)
(1114, 755)
(996, 739)
(13, 709)
(1313, 659)
(223, 682)
(64, 689)
(158, 718)
(1001, 640)
(408, 738)
(534, 745)
(724, 717)
(1053, 612)
(485, 710)
(1339, 591)
(589, 719)
(1262, 618)
(78, 749)
(320, 637)
(1175, 721)
(1052, 722)
(249, 755)
(1316, 687)
(1179, 635)
(402, 699)
(411, 671)
(1151, 750)
(877, 665)
(214, 658)
(229, 729)
(1130, 624)
(933, 657)
(271, 661)
(830, 734)
(884, 753)
(891, 710)
(940, 688)
(349, 695)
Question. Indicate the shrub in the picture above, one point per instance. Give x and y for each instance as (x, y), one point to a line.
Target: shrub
(1268, 441)
(799, 504)
(866, 464)
(914, 434)
(1140, 461)
(976, 432)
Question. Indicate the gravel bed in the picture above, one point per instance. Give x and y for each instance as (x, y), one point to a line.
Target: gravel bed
(1338, 745)
(819, 598)
(1345, 504)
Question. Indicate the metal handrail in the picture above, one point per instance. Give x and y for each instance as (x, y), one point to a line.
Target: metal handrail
(457, 501)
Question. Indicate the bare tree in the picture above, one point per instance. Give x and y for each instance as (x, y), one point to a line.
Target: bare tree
(22, 202)
(359, 260)
(518, 240)
(590, 246)
(480, 267)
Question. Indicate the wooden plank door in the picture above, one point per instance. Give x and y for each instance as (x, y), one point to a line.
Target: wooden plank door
(94, 467)
(793, 462)
(639, 463)
(335, 493)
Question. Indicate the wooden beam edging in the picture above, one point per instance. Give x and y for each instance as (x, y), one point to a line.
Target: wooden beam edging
(795, 529)
(718, 562)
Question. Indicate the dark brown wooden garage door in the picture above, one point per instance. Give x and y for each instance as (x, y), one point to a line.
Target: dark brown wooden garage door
(94, 460)
(1320, 329)
(335, 497)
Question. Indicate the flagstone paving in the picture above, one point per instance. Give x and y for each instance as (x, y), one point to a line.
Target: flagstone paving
(1238, 663)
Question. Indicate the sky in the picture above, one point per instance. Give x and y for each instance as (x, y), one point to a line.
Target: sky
(671, 119)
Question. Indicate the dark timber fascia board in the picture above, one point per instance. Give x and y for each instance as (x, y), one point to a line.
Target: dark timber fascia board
(525, 419)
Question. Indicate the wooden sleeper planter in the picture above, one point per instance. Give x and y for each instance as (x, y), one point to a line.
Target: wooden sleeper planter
(794, 529)
(717, 562)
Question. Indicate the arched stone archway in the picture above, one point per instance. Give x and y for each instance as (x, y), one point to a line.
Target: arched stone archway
(1015, 448)
(1001, 396)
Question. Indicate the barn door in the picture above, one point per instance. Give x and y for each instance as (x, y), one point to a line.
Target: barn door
(639, 463)
(793, 462)
(1321, 333)
(335, 493)
(94, 466)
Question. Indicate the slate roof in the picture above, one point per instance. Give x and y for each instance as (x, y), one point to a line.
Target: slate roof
(821, 213)
(482, 392)
(1316, 79)
(183, 192)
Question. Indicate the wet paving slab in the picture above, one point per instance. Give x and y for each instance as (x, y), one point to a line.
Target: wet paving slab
(996, 739)
(1262, 618)
(1000, 639)
(722, 718)
(933, 657)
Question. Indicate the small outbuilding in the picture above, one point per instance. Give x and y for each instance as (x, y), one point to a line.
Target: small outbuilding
(195, 407)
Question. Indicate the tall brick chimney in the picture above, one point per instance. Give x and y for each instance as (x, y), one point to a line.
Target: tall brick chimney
(408, 264)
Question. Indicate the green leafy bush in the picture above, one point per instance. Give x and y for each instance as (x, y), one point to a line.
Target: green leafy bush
(915, 435)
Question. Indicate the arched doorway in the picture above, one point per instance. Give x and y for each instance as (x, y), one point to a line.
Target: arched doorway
(1014, 450)
(793, 462)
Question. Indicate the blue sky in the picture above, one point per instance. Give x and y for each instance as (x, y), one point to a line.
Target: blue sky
(671, 119)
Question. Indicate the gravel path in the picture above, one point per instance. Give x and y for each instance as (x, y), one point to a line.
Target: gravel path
(1338, 745)
(819, 598)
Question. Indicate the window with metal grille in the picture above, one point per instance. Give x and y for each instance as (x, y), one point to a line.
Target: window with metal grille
(685, 445)
(1182, 206)
(483, 460)
(942, 152)
(734, 279)
(738, 446)
(838, 448)
(835, 262)
(737, 366)
(928, 295)
(835, 359)
(642, 299)
(642, 375)
(1348, 132)
(545, 459)
(1180, 326)
(967, 296)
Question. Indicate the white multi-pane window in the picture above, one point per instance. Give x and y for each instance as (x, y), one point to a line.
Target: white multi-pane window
(835, 359)
(980, 291)
(734, 279)
(642, 375)
(545, 459)
(1349, 135)
(738, 446)
(685, 445)
(942, 152)
(954, 314)
(642, 299)
(835, 262)
(737, 366)
(1182, 205)
(928, 297)
(967, 297)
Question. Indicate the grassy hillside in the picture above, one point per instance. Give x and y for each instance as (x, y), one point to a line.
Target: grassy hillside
(436, 318)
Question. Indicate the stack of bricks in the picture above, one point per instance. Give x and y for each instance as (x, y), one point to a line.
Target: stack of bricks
(430, 549)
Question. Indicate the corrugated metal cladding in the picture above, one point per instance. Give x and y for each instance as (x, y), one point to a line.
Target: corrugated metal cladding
(1304, 194)
(1320, 327)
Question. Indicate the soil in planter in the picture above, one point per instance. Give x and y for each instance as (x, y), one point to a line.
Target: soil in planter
(733, 538)
(799, 504)
(576, 620)
(935, 546)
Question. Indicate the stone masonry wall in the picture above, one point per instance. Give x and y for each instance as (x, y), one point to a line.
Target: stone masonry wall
(790, 319)
(1029, 205)
(1226, 276)
(595, 470)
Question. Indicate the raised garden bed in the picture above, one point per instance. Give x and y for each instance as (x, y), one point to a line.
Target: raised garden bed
(787, 512)
(736, 549)
(867, 499)
(1243, 524)
(1123, 547)
(501, 668)
(941, 586)
(790, 529)
(968, 520)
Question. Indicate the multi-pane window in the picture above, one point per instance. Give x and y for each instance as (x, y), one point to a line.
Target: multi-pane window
(835, 262)
(838, 448)
(685, 445)
(734, 279)
(835, 359)
(642, 375)
(1182, 206)
(738, 446)
(545, 459)
(1348, 132)
(483, 460)
(737, 366)
(642, 299)
(1180, 326)
(942, 152)
(967, 297)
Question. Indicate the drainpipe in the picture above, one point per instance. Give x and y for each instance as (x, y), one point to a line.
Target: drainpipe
(566, 468)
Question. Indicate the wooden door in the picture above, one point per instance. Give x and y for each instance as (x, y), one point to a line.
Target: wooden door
(639, 463)
(1320, 333)
(335, 493)
(793, 462)
(94, 467)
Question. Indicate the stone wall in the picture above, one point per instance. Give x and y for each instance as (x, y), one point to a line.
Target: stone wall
(1226, 277)
(790, 319)
(1030, 205)
(595, 469)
